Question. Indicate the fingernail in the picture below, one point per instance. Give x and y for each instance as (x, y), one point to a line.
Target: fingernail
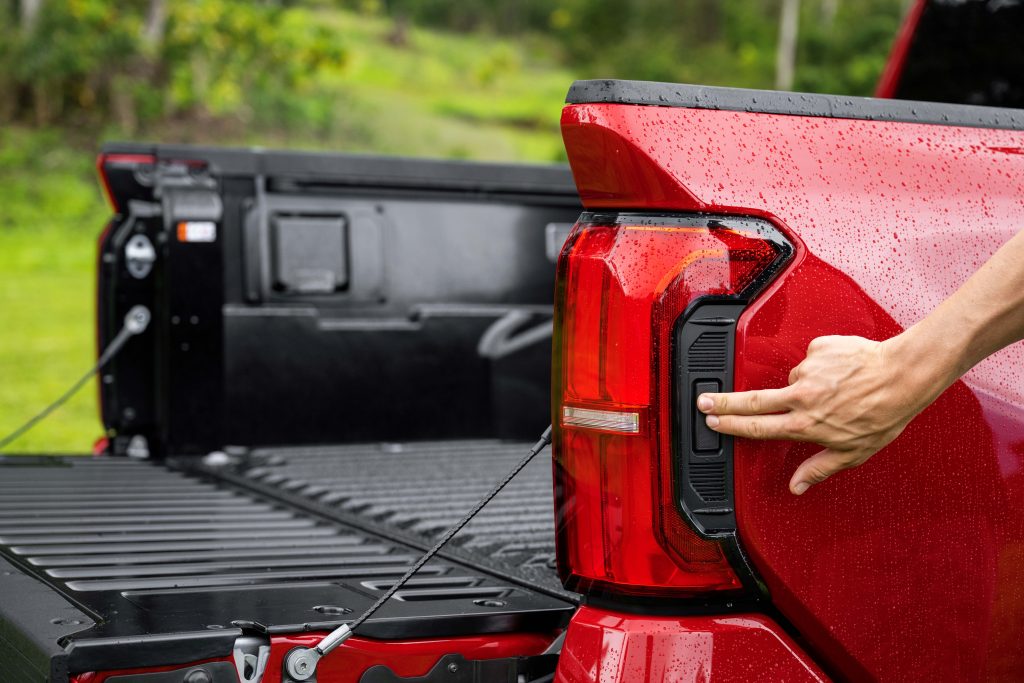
(712, 421)
(801, 487)
(705, 403)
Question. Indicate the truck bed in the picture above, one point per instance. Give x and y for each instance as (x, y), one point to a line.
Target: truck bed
(141, 562)
(330, 299)
(418, 490)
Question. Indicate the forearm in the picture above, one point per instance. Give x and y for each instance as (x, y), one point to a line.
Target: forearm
(984, 315)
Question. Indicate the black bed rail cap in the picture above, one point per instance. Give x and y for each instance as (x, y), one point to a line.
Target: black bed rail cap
(792, 103)
(369, 170)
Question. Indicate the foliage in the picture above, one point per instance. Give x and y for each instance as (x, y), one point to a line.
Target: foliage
(69, 69)
(846, 55)
(104, 60)
(300, 74)
(257, 62)
(842, 48)
(286, 65)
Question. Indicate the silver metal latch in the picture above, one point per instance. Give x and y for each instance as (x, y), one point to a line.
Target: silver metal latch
(139, 256)
(251, 654)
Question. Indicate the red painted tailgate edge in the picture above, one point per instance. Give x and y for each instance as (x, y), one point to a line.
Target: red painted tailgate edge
(611, 647)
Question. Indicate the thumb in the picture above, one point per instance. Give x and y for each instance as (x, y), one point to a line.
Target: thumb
(816, 469)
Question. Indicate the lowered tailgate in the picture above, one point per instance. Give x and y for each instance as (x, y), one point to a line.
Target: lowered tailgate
(127, 564)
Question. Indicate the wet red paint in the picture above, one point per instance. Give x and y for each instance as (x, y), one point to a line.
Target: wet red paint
(349, 662)
(403, 657)
(912, 566)
(103, 676)
(606, 647)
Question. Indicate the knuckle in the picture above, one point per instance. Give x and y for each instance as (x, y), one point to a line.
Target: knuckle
(755, 402)
(813, 393)
(824, 342)
(755, 430)
(798, 423)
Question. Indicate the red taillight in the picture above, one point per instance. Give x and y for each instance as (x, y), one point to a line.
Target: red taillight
(623, 283)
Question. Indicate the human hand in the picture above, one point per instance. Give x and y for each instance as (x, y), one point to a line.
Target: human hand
(851, 395)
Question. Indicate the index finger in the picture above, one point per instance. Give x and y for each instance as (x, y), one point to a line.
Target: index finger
(758, 402)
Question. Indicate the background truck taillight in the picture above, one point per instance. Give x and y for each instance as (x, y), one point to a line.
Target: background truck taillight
(646, 308)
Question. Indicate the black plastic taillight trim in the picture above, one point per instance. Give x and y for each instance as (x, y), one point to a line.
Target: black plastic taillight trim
(704, 476)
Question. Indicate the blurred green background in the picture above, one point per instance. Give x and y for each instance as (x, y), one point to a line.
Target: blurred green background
(470, 79)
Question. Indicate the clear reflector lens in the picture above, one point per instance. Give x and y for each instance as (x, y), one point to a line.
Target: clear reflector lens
(626, 423)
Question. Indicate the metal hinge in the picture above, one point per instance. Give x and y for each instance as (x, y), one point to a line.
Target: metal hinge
(250, 655)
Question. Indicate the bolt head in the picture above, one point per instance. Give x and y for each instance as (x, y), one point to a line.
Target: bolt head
(453, 667)
(199, 676)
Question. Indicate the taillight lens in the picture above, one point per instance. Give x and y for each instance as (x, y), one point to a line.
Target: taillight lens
(623, 282)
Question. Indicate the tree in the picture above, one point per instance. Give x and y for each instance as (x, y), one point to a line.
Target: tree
(155, 26)
(29, 15)
(785, 56)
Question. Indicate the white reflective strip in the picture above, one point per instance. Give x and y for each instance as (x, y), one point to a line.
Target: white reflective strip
(628, 423)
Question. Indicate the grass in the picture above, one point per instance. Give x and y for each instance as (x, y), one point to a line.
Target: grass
(442, 95)
(448, 95)
(51, 212)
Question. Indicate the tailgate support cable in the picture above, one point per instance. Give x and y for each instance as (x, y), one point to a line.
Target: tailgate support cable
(301, 662)
(135, 322)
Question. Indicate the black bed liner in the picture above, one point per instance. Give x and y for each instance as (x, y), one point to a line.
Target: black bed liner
(418, 490)
(144, 564)
(792, 103)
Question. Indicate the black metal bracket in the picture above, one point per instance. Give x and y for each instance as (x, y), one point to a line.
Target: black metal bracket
(458, 669)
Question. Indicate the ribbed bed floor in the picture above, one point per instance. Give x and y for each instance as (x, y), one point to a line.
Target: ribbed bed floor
(168, 554)
(424, 488)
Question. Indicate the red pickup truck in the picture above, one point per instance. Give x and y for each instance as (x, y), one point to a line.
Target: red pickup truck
(345, 353)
